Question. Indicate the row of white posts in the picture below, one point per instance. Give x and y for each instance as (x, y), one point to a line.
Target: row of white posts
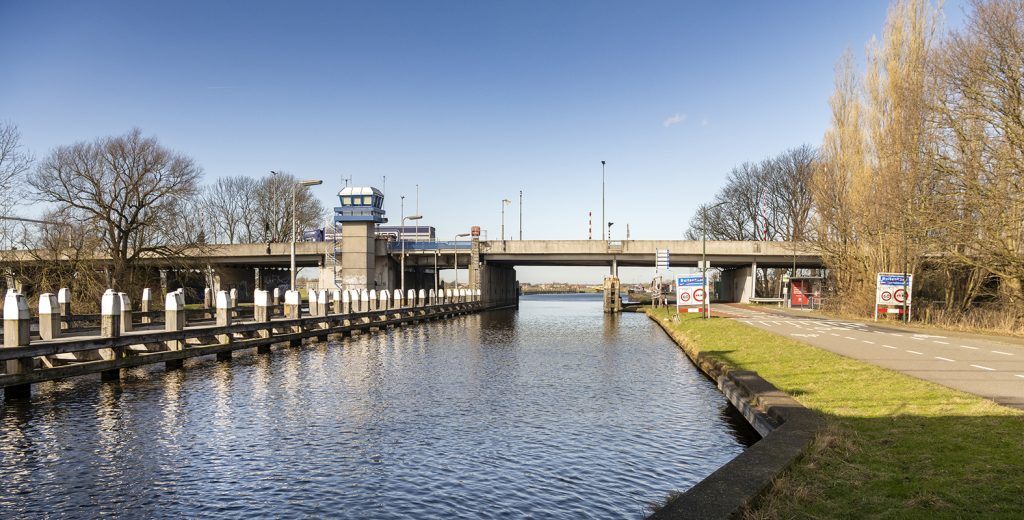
(116, 308)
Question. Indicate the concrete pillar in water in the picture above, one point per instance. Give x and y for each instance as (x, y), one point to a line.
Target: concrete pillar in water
(126, 312)
(207, 298)
(64, 302)
(396, 299)
(110, 327)
(292, 305)
(234, 297)
(276, 296)
(410, 298)
(324, 303)
(346, 302)
(49, 316)
(261, 302)
(431, 297)
(384, 298)
(336, 299)
(17, 326)
(421, 298)
(174, 320)
(612, 300)
(224, 319)
(364, 301)
(145, 306)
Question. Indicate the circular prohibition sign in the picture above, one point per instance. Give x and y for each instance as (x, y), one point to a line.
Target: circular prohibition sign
(901, 295)
(684, 296)
(698, 295)
(886, 296)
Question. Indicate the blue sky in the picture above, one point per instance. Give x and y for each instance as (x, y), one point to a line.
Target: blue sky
(473, 101)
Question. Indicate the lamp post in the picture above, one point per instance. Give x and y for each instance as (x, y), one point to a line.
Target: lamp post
(410, 217)
(610, 224)
(520, 214)
(704, 258)
(504, 202)
(295, 225)
(457, 237)
(602, 199)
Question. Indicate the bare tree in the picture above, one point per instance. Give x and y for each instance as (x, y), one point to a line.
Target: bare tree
(15, 161)
(129, 188)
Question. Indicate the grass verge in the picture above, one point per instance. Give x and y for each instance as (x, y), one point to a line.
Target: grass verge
(893, 446)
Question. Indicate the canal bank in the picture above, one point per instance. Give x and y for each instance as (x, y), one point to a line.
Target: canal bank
(891, 445)
(551, 410)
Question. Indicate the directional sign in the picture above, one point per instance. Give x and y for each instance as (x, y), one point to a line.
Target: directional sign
(661, 260)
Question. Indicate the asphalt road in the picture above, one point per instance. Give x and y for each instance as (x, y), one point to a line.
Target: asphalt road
(981, 365)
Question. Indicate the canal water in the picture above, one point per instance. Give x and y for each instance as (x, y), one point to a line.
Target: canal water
(551, 411)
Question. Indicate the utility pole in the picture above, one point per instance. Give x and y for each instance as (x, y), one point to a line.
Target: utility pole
(520, 214)
(603, 220)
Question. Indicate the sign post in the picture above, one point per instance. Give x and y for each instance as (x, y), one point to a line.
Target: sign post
(661, 261)
(691, 293)
(893, 294)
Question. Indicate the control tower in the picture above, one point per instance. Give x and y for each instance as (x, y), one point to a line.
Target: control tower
(359, 213)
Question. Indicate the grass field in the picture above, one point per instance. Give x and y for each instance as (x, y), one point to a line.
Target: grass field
(894, 446)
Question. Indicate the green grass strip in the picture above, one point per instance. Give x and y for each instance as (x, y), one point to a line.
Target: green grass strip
(893, 447)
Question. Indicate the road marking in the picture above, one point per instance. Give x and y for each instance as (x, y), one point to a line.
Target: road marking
(1019, 375)
(889, 346)
(942, 342)
(849, 338)
(1000, 352)
(984, 368)
(868, 342)
(945, 359)
(915, 352)
(895, 334)
(918, 339)
(834, 334)
(968, 346)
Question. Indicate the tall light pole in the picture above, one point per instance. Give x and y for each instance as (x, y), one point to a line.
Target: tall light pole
(410, 217)
(610, 224)
(295, 225)
(457, 237)
(704, 258)
(520, 214)
(504, 202)
(602, 200)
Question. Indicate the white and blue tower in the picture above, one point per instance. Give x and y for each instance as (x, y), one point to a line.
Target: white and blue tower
(360, 211)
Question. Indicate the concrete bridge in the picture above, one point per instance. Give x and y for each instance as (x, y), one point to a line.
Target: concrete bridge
(489, 265)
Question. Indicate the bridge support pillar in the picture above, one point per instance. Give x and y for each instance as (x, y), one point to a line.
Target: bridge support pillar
(612, 299)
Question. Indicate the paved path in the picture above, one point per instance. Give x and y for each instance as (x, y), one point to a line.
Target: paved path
(981, 365)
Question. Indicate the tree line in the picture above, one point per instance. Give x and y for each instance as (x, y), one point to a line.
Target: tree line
(921, 168)
(128, 198)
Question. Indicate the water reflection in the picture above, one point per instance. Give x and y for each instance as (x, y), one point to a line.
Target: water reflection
(554, 410)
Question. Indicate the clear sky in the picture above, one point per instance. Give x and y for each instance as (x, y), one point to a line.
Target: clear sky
(471, 100)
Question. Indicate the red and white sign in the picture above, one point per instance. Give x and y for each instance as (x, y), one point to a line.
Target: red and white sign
(690, 293)
(894, 293)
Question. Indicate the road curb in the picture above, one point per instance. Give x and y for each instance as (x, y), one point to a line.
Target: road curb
(786, 429)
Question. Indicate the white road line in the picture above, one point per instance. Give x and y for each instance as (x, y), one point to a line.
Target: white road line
(915, 352)
(918, 339)
(941, 342)
(868, 342)
(968, 346)
(945, 359)
(889, 346)
(984, 368)
(834, 334)
(1019, 375)
(1001, 352)
(895, 334)
(849, 338)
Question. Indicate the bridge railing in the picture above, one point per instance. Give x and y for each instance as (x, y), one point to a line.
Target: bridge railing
(410, 245)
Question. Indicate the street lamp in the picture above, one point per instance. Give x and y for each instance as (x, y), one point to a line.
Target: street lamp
(602, 200)
(295, 225)
(704, 258)
(610, 224)
(410, 217)
(457, 237)
(504, 202)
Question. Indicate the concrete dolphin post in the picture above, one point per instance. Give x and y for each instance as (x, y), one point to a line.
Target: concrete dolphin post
(126, 312)
(145, 307)
(421, 299)
(174, 320)
(292, 305)
(49, 316)
(17, 324)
